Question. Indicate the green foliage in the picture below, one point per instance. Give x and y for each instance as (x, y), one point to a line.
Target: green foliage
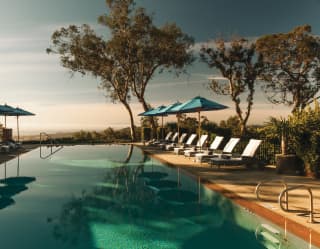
(188, 124)
(109, 135)
(301, 131)
(240, 66)
(146, 121)
(146, 134)
(279, 131)
(127, 62)
(141, 48)
(291, 66)
(306, 136)
(171, 126)
(233, 124)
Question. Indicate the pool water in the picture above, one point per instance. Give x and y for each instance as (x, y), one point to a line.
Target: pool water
(116, 197)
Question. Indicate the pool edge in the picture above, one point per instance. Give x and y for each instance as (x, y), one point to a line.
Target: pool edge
(292, 226)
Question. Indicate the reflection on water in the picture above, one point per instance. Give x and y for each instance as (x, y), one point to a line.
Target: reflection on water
(74, 201)
(123, 211)
(12, 185)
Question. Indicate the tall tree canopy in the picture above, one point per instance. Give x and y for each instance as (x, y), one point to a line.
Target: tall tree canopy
(142, 47)
(82, 50)
(292, 72)
(237, 63)
(127, 61)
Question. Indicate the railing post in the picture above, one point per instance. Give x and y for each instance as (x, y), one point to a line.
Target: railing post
(51, 145)
(257, 190)
(311, 206)
(286, 191)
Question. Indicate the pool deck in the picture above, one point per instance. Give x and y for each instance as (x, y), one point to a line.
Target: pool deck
(6, 156)
(239, 183)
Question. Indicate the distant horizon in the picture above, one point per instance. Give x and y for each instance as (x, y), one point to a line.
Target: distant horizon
(28, 125)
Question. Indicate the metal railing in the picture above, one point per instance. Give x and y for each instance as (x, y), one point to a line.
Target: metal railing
(286, 192)
(262, 183)
(52, 143)
(265, 232)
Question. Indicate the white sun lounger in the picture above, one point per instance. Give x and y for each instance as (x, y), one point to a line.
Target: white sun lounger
(181, 141)
(192, 151)
(213, 147)
(246, 158)
(172, 140)
(5, 148)
(167, 138)
(227, 150)
(179, 149)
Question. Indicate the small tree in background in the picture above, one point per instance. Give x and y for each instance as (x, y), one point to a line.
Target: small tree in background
(291, 66)
(238, 64)
(233, 124)
(278, 130)
(188, 124)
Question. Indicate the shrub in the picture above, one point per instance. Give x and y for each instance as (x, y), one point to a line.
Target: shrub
(306, 137)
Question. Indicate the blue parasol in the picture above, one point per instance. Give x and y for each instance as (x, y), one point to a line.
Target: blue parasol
(6, 110)
(21, 112)
(197, 104)
(155, 112)
(167, 111)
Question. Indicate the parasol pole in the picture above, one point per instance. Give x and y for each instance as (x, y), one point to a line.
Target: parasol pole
(199, 125)
(18, 132)
(178, 125)
(18, 166)
(162, 127)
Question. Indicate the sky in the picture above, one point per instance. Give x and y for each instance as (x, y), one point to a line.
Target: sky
(34, 80)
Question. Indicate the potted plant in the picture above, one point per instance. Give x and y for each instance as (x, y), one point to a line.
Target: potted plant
(306, 138)
(286, 161)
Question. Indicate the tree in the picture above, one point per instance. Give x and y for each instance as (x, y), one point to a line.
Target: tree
(291, 72)
(306, 137)
(144, 48)
(240, 66)
(278, 130)
(126, 62)
(188, 123)
(82, 50)
(233, 124)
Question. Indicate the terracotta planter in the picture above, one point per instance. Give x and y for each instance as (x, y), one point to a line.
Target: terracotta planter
(289, 164)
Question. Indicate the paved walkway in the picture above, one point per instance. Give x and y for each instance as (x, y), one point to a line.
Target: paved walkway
(239, 184)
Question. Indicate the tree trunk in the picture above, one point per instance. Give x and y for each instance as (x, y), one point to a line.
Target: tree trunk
(129, 153)
(152, 122)
(243, 129)
(284, 145)
(238, 110)
(132, 127)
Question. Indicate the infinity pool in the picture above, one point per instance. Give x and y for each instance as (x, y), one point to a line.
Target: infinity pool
(116, 197)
